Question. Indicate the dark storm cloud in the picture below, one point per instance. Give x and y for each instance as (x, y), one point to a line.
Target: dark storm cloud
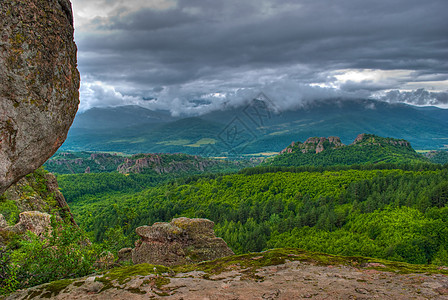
(201, 46)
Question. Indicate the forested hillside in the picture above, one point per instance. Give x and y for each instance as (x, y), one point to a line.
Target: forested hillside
(366, 149)
(438, 157)
(391, 212)
(149, 163)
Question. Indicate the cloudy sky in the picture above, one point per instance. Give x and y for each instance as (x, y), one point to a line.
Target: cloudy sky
(190, 56)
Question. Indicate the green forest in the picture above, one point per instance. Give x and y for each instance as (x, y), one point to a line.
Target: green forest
(395, 212)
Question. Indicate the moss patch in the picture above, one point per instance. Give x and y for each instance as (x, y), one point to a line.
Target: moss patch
(250, 263)
(124, 274)
(51, 289)
(160, 281)
(255, 261)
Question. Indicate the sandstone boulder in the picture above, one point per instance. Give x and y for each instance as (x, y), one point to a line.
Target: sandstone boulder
(37, 222)
(182, 241)
(39, 83)
(3, 222)
(124, 255)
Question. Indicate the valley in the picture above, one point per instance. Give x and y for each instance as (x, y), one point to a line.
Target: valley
(376, 197)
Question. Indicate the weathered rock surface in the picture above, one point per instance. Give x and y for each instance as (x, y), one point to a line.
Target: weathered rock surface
(164, 163)
(3, 222)
(370, 139)
(39, 83)
(37, 222)
(124, 255)
(278, 274)
(182, 241)
(315, 145)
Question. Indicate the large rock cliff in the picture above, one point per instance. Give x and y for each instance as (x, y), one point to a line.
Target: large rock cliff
(39, 83)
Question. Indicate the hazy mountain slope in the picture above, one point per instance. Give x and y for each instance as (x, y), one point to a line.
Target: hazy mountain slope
(119, 117)
(254, 128)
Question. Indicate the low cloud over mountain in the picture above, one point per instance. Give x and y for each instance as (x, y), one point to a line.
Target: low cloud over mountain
(178, 51)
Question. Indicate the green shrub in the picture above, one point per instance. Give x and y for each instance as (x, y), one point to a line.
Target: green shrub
(63, 253)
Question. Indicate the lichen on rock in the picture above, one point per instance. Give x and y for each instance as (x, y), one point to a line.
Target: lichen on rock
(39, 83)
(37, 222)
(182, 241)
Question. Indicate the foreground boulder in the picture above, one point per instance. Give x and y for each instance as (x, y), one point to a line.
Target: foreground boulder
(182, 241)
(39, 83)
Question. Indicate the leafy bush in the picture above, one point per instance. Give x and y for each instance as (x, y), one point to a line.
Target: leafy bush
(63, 253)
(8, 273)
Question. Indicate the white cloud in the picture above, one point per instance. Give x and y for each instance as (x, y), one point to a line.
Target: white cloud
(87, 10)
(99, 94)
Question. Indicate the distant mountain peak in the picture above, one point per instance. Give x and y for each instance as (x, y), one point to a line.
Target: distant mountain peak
(261, 101)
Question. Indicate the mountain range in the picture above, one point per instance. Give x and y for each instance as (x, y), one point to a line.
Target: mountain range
(255, 128)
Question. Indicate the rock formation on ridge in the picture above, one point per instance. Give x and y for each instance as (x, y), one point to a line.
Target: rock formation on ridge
(315, 145)
(39, 84)
(182, 241)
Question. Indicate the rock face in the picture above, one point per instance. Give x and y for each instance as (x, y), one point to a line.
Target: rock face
(35, 221)
(319, 144)
(315, 145)
(165, 163)
(39, 83)
(182, 241)
(371, 139)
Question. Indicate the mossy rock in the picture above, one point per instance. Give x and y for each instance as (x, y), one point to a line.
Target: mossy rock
(153, 281)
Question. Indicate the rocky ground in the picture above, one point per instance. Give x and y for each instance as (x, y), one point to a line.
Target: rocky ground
(276, 274)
